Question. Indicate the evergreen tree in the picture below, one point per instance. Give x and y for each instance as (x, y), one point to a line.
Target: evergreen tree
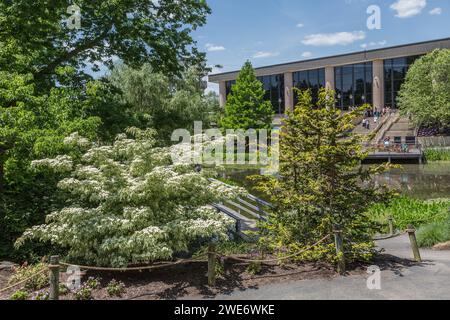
(321, 183)
(246, 108)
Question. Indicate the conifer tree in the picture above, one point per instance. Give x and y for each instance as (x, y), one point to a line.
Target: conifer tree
(246, 107)
(321, 182)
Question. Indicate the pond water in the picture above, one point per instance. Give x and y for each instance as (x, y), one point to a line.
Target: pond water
(427, 181)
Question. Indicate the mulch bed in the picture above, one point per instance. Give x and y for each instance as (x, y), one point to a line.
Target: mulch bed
(190, 280)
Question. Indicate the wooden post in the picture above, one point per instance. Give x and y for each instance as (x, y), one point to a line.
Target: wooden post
(54, 277)
(339, 248)
(238, 226)
(391, 225)
(212, 265)
(412, 238)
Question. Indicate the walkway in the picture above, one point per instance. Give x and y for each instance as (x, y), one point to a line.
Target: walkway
(429, 280)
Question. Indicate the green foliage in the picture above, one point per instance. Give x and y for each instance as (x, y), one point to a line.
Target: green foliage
(83, 293)
(246, 107)
(168, 104)
(425, 95)
(436, 232)
(407, 211)
(227, 248)
(93, 283)
(135, 31)
(321, 183)
(254, 268)
(128, 203)
(115, 288)
(63, 290)
(20, 295)
(41, 295)
(35, 283)
(437, 154)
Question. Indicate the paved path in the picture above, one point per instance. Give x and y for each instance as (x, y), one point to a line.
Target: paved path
(429, 280)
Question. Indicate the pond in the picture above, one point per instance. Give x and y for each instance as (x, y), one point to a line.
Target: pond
(427, 181)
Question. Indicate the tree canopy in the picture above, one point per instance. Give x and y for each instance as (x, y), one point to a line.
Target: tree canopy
(35, 39)
(425, 95)
(246, 107)
(169, 104)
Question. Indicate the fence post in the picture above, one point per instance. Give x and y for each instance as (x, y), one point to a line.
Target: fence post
(212, 265)
(339, 248)
(391, 225)
(412, 238)
(54, 277)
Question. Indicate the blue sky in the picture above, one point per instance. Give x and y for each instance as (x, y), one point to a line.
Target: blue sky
(276, 31)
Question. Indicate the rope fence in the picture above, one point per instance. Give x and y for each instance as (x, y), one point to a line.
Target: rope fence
(55, 265)
(23, 281)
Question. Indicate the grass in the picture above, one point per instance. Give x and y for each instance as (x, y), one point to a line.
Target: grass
(434, 233)
(437, 155)
(407, 211)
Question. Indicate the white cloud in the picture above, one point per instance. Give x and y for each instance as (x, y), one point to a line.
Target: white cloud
(211, 47)
(408, 8)
(373, 44)
(331, 39)
(265, 54)
(300, 25)
(307, 54)
(436, 11)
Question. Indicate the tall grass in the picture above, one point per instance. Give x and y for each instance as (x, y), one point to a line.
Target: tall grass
(407, 211)
(434, 233)
(437, 154)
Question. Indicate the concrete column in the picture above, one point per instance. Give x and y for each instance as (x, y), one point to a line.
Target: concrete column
(222, 94)
(288, 91)
(329, 78)
(378, 84)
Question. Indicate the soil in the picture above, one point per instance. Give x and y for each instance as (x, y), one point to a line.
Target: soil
(190, 280)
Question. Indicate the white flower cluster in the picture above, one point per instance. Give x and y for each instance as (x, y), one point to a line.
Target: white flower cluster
(128, 204)
(60, 164)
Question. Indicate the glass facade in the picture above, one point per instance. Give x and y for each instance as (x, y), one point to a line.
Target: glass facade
(310, 79)
(353, 85)
(228, 85)
(394, 75)
(274, 87)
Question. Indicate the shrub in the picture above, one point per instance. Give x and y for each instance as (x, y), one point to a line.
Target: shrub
(407, 211)
(130, 204)
(437, 154)
(433, 233)
(19, 295)
(23, 272)
(83, 293)
(115, 288)
(93, 283)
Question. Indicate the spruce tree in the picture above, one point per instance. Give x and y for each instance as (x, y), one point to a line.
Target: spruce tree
(246, 107)
(321, 183)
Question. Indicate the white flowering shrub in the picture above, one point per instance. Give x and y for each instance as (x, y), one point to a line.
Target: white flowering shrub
(129, 204)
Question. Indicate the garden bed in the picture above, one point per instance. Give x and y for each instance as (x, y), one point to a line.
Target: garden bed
(190, 280)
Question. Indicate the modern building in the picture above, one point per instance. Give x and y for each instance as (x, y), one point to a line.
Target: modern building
(373, 76)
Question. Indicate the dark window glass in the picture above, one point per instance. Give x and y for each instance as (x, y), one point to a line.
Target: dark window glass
(311, 79)
(395, 71)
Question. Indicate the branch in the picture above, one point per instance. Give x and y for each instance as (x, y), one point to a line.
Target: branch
(70, 54)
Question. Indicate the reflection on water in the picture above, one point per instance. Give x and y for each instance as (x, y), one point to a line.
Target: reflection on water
(428, 181)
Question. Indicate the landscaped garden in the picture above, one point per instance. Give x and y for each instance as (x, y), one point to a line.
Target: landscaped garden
(87, 172)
